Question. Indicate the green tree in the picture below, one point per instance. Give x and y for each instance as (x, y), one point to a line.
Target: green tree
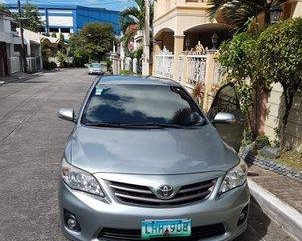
(62, 37)
(62, 58)
(31, 18)
(92, 42)
(280, 51)
(4, 8)
(238, 14)
(134, 15)
(238, 56)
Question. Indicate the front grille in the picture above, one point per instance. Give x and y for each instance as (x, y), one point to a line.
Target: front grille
(135, 234)
(142, 195)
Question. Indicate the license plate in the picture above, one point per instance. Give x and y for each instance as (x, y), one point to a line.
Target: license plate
(165, 228)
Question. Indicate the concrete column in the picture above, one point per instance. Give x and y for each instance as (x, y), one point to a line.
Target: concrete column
(134, 65)
(209, 79)
(118, 66)
(178, 49)
(122, 63)
(185, 70)
(156, 51)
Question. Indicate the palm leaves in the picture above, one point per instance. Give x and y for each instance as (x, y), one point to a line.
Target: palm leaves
(237, 13)
(133, 15)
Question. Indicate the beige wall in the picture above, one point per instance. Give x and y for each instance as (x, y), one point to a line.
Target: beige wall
(179, 17)
(294, 128)
(275, 106)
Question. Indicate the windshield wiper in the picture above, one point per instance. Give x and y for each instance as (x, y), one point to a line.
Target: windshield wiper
(155, 125)
(139, 125)
(102, 124)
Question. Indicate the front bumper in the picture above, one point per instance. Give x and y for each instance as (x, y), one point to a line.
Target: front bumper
(94, 213)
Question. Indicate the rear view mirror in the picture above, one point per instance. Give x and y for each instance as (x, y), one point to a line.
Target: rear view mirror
(66, 114)
(224, 118)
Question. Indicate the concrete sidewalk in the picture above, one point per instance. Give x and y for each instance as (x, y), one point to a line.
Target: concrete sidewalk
(17, 77)
(279, 197)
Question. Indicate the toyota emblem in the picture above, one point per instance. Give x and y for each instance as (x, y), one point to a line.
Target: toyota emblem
(165, 192)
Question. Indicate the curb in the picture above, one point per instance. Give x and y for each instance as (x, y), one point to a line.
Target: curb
(270, 165)
(289, 218)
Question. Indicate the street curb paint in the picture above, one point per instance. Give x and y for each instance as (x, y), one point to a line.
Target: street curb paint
(286, 216)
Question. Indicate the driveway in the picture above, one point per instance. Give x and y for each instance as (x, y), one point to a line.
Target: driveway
(32, 140)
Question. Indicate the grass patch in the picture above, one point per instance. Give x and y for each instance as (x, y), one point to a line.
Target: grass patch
(291, 159)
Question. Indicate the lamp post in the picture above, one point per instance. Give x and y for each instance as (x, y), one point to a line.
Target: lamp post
(275, 14)
(23, 50)
(214, 39)
(146, 50)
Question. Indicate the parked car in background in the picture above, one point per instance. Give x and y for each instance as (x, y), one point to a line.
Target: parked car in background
(144, 162)
(95, 68)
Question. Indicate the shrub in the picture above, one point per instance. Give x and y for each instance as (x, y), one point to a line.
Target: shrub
(262, 141)
(49, 65)
(198, 93)
(126, 72)
(280, 51)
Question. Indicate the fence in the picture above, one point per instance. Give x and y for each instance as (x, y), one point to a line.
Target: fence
(164, 65)
(14, 65)
(191, 68)
(196, 68)
(34, 64)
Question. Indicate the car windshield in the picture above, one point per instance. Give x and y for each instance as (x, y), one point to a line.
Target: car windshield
(141, 105)
(95, 65)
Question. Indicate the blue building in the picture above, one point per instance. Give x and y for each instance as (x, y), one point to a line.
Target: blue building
(68, 19)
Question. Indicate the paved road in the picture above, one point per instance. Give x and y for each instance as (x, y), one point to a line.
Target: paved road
(31, 143)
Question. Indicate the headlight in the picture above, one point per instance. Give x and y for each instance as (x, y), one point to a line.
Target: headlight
(234, 178)
(78, 179)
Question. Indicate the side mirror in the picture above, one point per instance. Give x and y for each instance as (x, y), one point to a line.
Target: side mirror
(66, 114)
(224, 118)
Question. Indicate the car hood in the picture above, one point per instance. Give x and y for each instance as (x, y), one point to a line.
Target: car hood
(149, 151)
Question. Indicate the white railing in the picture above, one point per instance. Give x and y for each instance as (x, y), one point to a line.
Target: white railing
(34, 64)
(163, 65)
(196, 68)
(14, 64)
(180, 67)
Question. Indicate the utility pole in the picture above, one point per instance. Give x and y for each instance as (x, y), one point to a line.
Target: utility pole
(146, 51)
(23, 51)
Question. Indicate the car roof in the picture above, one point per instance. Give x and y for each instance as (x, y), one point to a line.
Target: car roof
(135, 80)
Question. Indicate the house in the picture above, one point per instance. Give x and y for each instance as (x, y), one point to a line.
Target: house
(135, 45)
(32, 42)
(9, 40)
(180, 27)
(69, 19)
(185, 42)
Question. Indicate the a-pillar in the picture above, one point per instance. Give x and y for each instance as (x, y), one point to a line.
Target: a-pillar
(178, 49)
(209, 79)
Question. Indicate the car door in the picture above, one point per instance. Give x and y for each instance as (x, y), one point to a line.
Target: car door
(226, 101)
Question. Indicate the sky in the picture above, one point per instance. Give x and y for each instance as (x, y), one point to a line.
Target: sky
(109, 4)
